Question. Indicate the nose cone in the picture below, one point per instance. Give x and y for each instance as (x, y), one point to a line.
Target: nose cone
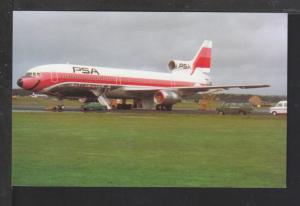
(20, 83)
(28, 83)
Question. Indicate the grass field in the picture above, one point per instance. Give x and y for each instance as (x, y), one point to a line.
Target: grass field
(151, 149)
(41, 101)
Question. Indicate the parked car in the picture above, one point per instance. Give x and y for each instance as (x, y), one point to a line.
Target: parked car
(234, 108)
(279, 108)
(93, 106)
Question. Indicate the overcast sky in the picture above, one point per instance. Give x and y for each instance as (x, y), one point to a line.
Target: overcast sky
(247, 47)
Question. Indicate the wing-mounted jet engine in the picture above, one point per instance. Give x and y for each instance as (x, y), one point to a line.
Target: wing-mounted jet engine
(165, 99)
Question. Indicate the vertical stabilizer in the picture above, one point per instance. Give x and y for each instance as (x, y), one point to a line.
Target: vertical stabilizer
(202, 60)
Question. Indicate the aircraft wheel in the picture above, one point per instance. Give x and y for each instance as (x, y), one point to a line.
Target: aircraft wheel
(158, 107)
(169, 107)
(59, 108)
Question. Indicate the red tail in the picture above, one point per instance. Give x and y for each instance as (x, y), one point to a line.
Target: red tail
(203, 58)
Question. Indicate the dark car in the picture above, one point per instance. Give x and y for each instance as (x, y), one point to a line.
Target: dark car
(93, 106)
(235, 108)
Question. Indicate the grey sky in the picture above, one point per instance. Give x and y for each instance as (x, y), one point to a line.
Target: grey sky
(247, 47)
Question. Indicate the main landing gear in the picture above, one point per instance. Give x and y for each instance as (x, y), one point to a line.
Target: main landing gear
(164, 107)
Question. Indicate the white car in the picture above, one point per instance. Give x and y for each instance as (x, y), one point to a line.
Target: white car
(280, 108)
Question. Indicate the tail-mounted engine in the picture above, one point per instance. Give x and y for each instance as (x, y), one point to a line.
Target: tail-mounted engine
(201, 61)
(165, 97)
(177, 64)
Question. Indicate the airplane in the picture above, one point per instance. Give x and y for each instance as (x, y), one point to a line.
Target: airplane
(158, 90)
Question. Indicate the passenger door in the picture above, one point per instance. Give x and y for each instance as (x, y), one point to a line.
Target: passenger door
(54, 77)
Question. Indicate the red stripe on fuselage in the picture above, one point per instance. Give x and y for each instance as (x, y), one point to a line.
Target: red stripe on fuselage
(48, 79)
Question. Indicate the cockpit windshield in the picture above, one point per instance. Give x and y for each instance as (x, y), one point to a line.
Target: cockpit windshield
(32, 74)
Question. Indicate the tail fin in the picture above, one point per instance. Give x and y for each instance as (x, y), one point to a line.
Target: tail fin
(202, 60)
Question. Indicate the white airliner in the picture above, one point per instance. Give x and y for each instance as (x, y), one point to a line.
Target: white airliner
(163, 90)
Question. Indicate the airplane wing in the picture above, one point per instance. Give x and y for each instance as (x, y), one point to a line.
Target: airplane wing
(194, 89)
(224, 87)
(185, 91)
(85, 90)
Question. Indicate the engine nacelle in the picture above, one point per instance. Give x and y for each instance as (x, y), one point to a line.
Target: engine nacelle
(166, 97)
(177, 64)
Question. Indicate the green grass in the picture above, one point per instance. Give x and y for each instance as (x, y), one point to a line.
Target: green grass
(42, 101)
(153, 149)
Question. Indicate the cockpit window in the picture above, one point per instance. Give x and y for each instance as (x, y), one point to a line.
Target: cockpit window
(30, 74)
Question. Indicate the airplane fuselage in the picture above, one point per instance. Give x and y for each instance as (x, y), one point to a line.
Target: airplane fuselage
(44, 78)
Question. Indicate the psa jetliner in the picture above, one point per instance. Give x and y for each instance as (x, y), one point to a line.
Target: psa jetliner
(163, 90)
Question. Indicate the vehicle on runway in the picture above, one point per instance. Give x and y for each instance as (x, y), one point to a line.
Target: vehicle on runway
(152, 89)
(234, 108)
(279, 108)
(93, 106)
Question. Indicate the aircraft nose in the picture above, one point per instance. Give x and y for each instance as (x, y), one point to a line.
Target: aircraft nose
(28, 83)
(20, 82)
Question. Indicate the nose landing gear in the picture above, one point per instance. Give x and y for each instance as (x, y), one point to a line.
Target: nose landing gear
(60, 107)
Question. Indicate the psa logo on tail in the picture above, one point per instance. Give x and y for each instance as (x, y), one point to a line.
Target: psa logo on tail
(201, 61)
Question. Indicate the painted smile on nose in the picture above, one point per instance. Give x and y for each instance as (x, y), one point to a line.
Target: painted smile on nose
(28, 83)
